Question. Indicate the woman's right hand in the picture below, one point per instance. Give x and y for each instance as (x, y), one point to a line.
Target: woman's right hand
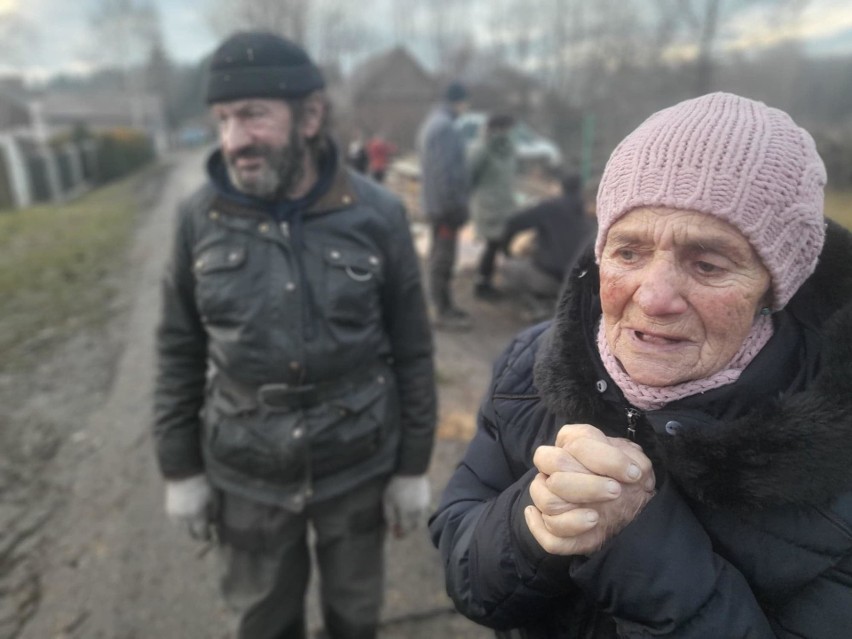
(589, 487)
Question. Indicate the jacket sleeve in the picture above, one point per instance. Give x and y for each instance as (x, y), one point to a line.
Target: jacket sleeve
(476, 163)
(181, 344)
(521, 221)
(660, 577)
(687, 590)
(493, 575)
(407, 324)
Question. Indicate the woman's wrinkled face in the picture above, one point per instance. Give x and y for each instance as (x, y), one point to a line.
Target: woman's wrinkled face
(680, 291)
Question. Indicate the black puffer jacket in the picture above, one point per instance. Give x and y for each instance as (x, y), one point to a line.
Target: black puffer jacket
(295, 355)
(750, 533)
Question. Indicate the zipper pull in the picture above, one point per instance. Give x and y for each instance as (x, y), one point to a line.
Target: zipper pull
(633, 416)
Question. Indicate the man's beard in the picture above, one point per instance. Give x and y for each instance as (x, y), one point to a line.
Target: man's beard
(282, 169)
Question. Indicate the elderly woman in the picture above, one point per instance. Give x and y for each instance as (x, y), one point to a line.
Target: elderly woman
(672, 456)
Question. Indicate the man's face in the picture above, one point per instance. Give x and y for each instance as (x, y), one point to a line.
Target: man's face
(459, 108)
(263, 150)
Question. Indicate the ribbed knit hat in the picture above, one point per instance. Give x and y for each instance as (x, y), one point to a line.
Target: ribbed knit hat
(254, 64)
(736, 159)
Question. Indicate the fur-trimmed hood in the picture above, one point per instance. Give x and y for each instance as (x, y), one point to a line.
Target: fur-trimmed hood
(791, 449)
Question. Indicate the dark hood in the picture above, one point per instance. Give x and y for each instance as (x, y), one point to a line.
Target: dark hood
(788, 442)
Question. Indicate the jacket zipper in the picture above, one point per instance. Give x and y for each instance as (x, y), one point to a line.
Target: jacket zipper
(633, 416)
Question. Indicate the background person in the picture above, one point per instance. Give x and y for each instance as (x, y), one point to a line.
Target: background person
(356, 153)
(670, 456)
(379, 152)
(561, 230)
(444, 194)
(295, 380)
(492, 167)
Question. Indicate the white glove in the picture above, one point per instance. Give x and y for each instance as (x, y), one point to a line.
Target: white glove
(406, 501)
(188, 503)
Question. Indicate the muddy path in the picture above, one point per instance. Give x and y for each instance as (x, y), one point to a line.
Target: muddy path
(85, 550)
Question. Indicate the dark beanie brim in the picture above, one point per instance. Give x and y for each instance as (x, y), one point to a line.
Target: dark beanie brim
(261, 65)
(263, 82)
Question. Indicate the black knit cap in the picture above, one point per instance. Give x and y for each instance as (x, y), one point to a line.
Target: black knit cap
(255, 64)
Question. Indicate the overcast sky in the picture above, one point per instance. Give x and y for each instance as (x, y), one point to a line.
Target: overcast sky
(61, 38)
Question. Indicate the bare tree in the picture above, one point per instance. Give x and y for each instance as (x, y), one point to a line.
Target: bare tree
(702, 19)
(339, 31)
(450, 25)
(287, 17)
(127, 31)
(403, 19)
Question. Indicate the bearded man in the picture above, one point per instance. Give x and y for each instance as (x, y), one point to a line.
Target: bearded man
(295, 377)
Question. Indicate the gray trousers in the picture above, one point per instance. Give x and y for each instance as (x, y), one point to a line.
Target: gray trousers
(538, 290)
(266, 564)
(442, 262)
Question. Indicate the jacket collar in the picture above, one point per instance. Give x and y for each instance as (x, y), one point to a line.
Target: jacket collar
(791, 448)
(339, 194)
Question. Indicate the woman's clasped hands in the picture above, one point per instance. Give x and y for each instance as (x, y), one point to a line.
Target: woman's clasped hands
(589, 487)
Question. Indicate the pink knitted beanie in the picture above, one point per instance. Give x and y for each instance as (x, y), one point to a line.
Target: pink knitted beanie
(739, 160)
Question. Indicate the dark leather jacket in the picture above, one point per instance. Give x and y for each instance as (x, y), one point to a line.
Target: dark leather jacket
(295, 357)
(750, 532)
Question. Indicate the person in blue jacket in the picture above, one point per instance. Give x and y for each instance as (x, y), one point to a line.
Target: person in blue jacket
(669, 457)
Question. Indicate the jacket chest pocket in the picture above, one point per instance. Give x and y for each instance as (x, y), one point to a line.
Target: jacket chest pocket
(223, 287)
(353, 279)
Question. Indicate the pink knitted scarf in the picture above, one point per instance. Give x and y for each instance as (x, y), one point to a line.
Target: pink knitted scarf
(654, 397)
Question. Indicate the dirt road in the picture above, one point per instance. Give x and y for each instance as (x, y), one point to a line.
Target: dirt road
(85, 550)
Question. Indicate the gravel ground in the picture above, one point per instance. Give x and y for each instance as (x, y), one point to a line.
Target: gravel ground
(85, 550)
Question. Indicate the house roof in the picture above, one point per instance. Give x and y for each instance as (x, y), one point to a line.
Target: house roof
(370, 77)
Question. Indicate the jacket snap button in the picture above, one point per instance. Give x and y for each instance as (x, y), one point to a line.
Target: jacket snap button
(297, 433)
(335, 255)
(600, 385)
(374, 260)
(672, 427)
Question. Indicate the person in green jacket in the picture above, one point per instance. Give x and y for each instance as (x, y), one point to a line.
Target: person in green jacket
(492, 166)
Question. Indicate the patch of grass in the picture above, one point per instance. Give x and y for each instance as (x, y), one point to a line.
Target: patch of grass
(838, 206)
(55, 267)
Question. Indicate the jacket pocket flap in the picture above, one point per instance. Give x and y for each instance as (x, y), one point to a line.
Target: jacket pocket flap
(353, 260)
(220, 258)
(357, 401)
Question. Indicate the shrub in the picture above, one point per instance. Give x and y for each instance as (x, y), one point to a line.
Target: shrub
(120, 152)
